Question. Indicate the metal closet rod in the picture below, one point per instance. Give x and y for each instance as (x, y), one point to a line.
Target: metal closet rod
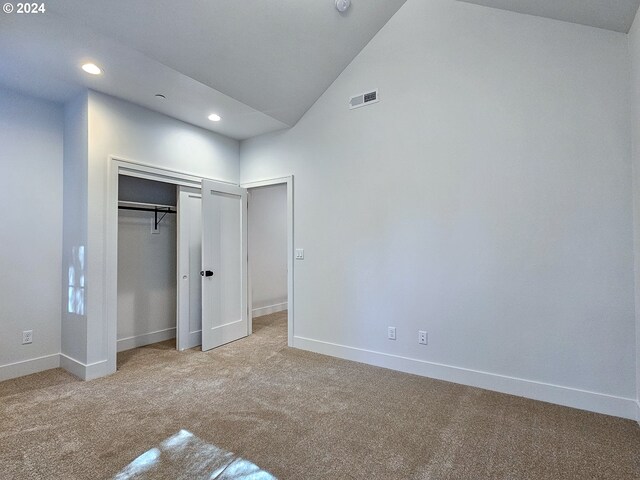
(150, 207)
(147, 207)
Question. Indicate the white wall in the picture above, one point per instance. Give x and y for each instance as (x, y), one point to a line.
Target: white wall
(268, 248)
(76, 147)
(634, 49)
(485, 199)
(146, 279)
(31, 155)
(133, 133)
(134, 189)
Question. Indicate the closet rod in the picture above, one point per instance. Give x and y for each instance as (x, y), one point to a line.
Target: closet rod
(155, 210)
(143, 209)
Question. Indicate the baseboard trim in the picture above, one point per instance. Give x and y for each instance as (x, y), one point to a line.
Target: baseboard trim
(146, 339)
(638, 411)
(84, 371)
(566, 396)
(259, 312)
(27, 367)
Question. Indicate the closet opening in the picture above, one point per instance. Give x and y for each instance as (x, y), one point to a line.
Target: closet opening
(158, 222)
(147, 243)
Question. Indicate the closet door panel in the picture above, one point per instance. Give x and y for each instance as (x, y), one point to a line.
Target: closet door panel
(189, 260)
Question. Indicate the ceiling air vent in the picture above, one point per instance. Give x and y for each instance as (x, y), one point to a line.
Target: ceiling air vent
(364, 99)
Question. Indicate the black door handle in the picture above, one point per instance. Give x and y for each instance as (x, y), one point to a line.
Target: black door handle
(206, 273)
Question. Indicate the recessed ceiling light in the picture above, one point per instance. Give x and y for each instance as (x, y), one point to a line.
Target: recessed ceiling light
(214, 117)
(91, 68)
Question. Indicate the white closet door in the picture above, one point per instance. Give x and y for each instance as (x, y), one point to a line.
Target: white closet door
(189, 332)
(224, 264)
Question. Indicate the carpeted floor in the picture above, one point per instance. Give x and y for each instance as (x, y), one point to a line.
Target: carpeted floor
(296, 415)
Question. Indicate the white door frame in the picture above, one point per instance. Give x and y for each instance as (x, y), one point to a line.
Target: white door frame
(120, 166)
(288, 181)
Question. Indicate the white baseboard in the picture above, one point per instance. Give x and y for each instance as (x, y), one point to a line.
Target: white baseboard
(146, 339)
(259, 312)
(27, 367)
(570, 397)
(84, 371)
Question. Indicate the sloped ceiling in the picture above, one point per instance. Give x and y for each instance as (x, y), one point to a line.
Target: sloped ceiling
(616, 15)
(260, 64)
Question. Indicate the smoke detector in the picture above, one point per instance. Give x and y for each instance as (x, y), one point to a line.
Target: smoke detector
(343, 5)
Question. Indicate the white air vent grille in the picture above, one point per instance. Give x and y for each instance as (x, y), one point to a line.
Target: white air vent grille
(364, 99)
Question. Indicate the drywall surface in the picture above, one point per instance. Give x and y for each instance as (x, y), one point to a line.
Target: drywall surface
(121, 129)
(74, 267)
(146, 279)
(140, 190)
(485, 199)
(31, 156)
(634, 51)
(268, 248)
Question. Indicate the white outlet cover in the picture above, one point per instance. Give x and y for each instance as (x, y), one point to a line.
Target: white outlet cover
(299, 253)
(391, 333)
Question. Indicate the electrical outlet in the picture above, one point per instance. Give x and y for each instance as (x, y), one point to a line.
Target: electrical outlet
(27, 337)
(299, 253)
(422, 337)
(391, 333)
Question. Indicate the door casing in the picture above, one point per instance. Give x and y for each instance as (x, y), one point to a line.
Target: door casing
(121, 166)
(288, 181)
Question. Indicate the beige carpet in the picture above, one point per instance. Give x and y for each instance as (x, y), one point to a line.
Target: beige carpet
(296, 415)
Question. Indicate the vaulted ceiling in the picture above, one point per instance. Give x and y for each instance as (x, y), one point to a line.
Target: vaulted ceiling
(260, 64)
(616, 15)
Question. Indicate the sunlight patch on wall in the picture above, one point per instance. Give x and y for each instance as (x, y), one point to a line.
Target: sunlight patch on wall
(76, 270)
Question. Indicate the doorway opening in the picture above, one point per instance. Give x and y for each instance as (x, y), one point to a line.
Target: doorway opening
(224, 214)
(270, 232)
(147, 236)
(268, 255)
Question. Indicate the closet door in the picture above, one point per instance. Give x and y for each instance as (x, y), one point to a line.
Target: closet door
(224, 264)
(189, 332)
